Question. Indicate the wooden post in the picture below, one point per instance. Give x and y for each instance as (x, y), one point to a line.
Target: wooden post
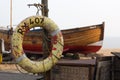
(45, 8)
(46, 43)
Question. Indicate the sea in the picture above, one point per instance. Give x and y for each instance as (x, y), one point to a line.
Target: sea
(111, 42)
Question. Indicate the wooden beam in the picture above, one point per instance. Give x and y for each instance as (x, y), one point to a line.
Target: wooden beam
(45, 8)
(45, 42)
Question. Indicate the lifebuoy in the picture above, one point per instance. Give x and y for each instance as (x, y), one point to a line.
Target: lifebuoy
(57, 44)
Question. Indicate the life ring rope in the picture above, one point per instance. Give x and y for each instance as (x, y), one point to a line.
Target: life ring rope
(57, 44)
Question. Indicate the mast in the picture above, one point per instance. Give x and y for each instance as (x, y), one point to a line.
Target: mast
(11, 14)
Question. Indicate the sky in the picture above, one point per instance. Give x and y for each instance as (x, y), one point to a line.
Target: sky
(68, 13)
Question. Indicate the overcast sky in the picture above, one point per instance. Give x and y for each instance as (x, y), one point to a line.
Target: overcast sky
(68, 13)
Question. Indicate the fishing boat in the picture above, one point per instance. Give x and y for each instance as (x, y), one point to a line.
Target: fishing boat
(83, 40)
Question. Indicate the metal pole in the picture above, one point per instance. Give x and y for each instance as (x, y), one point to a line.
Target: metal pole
(10, 13)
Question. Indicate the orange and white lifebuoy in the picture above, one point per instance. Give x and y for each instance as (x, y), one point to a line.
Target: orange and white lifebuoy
(56, 41)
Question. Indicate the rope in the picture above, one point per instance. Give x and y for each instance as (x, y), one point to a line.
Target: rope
(44, 66)
(19, 69)
(46, 46)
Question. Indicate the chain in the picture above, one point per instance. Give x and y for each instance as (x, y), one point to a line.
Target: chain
(47, 39)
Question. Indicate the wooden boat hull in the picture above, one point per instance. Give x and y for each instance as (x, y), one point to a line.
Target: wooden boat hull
(83, 40)
(77, 40)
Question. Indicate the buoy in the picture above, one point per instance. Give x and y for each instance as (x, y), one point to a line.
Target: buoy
(56, 41)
